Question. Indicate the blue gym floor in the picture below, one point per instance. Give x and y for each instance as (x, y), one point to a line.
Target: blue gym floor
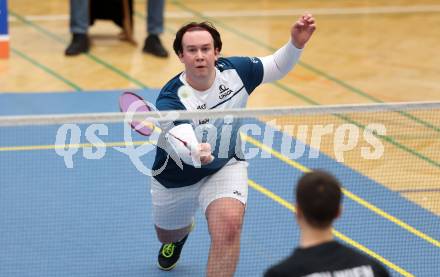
(95, 219)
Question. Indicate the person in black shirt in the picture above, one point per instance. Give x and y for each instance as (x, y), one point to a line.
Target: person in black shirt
(318, 197)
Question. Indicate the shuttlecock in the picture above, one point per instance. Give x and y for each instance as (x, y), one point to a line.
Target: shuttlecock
(185, 92)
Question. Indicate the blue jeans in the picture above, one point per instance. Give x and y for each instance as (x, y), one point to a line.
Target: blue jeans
(155, 11)
(79, 16)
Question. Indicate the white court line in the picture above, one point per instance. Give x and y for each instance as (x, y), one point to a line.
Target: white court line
(275, 12)
(327, 11)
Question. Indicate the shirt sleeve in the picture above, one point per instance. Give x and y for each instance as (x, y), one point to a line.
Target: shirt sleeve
(250, 70)
(277, 65)
(169, 101)
(180, 135)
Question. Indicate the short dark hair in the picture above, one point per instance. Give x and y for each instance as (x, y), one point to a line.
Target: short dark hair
(194, 26)
(318, 195)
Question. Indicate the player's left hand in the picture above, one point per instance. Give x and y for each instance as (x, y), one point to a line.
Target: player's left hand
(302, 30)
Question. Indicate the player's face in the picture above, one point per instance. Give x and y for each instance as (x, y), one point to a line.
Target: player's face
(198, 54)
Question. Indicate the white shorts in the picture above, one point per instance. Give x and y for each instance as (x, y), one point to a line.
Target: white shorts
(174, 208)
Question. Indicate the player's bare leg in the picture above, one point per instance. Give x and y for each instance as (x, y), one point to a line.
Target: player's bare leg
(225, 220)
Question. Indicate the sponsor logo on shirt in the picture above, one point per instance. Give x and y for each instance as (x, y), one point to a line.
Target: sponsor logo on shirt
(203, 121)
(201, 107)
(254, 60)
(224, 91)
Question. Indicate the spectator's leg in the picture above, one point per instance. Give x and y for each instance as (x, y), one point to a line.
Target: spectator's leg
(155, 14)
(155, 23)
(79, 23)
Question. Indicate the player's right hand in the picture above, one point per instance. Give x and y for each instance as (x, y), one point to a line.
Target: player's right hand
(205, 153)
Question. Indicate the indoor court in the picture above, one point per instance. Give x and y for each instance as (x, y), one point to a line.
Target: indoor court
(94, 219)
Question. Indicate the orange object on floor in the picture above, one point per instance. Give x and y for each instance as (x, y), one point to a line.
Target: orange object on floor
(4, 48)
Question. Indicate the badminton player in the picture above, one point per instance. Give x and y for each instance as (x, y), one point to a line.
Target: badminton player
(213, 176)
(318, 204)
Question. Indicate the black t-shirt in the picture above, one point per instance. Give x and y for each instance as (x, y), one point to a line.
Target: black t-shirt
(327, 260)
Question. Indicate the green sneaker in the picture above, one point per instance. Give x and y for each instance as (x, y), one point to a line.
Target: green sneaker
(169, 254)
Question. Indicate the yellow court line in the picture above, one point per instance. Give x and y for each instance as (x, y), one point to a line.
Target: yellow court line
(337, 234)
(81, 145)
(349, 194)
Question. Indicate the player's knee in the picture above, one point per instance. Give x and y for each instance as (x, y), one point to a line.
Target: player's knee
(228, 230)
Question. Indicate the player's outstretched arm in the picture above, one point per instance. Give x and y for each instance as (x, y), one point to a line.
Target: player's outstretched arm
(277, 65)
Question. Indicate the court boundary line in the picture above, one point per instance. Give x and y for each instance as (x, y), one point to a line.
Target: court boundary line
(76, 145)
